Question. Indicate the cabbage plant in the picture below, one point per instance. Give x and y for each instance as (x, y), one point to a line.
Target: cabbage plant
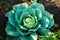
(27, 22)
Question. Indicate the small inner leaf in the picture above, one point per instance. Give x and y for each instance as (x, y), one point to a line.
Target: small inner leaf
(29, 22)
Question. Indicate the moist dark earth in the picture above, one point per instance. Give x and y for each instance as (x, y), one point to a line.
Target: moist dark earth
(7, 5)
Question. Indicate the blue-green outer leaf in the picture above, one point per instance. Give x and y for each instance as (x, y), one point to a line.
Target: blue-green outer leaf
(10, 30)
(44, 22)
(38, 5)
(13, 38)
(50, 17)
(17, 15)
(43, 31)
(24, 37)
(33, 36)
(20, 6)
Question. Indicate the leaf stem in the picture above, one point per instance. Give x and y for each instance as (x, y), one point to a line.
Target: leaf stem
(33, 1)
